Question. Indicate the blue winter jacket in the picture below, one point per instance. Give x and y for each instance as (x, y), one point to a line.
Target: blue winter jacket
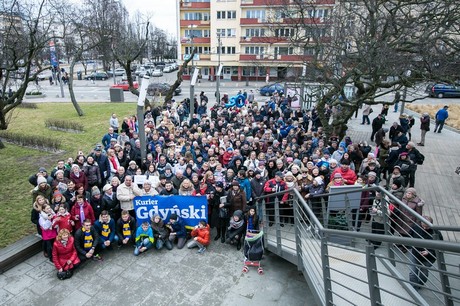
(442, 114)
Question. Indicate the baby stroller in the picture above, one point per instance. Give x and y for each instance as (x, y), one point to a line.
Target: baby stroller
(253, 250)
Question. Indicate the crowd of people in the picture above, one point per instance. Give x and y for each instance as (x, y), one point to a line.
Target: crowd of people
(232, 156)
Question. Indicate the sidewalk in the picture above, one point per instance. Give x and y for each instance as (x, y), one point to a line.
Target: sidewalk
(177, 277)
(435, 181)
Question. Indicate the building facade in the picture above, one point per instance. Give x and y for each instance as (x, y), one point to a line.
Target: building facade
(252, 39)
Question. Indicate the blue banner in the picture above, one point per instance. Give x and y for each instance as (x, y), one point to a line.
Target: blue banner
(53, 57)
(192, 209)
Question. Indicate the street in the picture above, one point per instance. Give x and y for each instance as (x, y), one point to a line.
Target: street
(87, 91)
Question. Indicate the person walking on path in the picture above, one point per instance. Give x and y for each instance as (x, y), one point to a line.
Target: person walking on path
(424, 127)
(441, 117)
(366, 112)
(377, 124)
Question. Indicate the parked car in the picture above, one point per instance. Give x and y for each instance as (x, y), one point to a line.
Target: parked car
(144, 70)
(118, 72)
(97, 76)
(443, 91)
(157, 73)
(168, 68)
(162, 88)
(269, 90)
(124, 85)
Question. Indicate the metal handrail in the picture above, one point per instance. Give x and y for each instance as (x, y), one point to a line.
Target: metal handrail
(307, 225)
(378, 188)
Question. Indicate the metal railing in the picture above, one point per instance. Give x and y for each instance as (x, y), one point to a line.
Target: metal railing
(360, 257)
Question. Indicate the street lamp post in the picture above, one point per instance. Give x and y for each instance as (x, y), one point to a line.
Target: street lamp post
(192, 86)
(218, 69)
(140, 114)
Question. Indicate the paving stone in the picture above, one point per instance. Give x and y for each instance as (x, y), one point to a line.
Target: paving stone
(75, 298)
(22, 268)
(18, 283)
(26, 298)
(45, 268)
(5, 296)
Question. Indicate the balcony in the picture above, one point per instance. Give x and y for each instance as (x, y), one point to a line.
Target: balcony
(201, 40)
(194, 5)
(263, 40)
(253, 21)
(186, 23)
(262, 2)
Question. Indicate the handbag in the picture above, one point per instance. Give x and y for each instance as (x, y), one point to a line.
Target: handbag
(223, 213)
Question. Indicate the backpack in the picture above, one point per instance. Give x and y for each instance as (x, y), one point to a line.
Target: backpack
(420, 159)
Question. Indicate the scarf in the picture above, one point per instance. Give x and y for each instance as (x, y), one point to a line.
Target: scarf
(113, 162)
(126, 230)
(88, 240)
(82, 213)
(105, 230)
(64, 242)
(236, 224)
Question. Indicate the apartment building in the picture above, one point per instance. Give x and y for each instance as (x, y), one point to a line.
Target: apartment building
(252, 38)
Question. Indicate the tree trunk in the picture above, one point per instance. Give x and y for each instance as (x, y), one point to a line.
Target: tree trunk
(178, 81)
(71, 92)
(3, 122)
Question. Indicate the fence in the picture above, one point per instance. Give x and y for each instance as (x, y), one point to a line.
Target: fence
(356, 256)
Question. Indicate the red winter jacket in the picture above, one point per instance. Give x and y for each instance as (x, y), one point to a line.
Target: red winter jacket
(203, 235)
(227, 157)
(349, 176)
(75, 213)
(279, 186)
(61, 254)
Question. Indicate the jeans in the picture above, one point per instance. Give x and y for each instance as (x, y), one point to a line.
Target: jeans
(180, 241)
(418, 272)
(160, 243)
(112, 242)
(145, 243)
(193, 244)
(366, 119)
(440, 124)
(260, 209)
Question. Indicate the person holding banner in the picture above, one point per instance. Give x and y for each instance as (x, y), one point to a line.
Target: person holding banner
(126, 193)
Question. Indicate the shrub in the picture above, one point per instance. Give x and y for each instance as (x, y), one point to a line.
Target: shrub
(64, 125)
(28, 105)
(38, 142)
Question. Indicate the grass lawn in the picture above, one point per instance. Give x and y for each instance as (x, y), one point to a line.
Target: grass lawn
(18, 163)
(454, 112)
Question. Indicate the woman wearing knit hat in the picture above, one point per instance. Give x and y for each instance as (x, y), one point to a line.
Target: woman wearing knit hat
(406, 214)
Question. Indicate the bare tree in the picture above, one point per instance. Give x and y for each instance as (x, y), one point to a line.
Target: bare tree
(23, 38)
(377, 46)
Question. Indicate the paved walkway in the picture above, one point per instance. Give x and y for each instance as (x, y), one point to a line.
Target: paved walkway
(435, 180)
(182, 277)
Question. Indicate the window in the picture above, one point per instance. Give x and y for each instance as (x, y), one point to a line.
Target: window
(318, 13)
(284, 51)
(231, 32)
(206, 17)
(255, 14)
(231, 50)
(221, 32)
(231, 14)
(194, 16)
(254, 50)
(220, 14)
(255, 32)
(193, 33)
(284, 32)
(309, 51)
(206, 33)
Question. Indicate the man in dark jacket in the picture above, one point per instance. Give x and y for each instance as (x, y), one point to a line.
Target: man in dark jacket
(257, 189)
(422, 258)
(424, 127)
(86, 242)
(126, 227)
(103, 163)
(377, 124)
(177, 230)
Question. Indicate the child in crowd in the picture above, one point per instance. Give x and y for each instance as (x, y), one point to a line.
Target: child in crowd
(177, 231)
(161, 233)
(236, 229)
(201, 237)
(62, 219)
(48, 232)
(144, 238)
